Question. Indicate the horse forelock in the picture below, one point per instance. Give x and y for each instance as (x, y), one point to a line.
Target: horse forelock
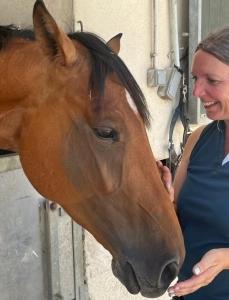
(103, 62)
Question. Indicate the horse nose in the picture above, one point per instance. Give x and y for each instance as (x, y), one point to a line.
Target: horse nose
(169, 273)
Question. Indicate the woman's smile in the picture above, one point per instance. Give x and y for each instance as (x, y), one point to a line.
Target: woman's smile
(209, 104)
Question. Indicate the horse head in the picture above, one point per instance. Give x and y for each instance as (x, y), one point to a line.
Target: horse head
(79, 129)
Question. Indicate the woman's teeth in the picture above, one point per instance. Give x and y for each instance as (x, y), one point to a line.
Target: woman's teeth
(207, 104)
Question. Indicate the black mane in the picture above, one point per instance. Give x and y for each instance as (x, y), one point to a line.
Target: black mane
(11, 31)
(103, 62)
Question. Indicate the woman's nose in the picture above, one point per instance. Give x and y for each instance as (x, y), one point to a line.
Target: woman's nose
(198, 88)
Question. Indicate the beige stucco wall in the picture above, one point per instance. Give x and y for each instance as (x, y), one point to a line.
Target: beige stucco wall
(19, 12)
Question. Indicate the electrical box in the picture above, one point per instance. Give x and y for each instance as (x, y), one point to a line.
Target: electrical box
(172, 86)
(156, 77)
(167, 80)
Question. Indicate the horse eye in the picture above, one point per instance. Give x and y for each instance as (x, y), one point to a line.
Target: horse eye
(106, 133)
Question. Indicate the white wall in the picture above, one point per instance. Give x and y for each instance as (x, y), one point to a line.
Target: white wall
(19, 12)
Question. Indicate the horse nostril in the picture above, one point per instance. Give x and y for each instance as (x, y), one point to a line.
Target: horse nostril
(169, 273)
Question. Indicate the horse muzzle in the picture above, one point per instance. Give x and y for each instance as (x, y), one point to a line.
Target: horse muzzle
(148, 287)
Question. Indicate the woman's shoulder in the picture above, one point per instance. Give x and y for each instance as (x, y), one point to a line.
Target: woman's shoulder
(181, 172)
(192, 140)
(203, 135)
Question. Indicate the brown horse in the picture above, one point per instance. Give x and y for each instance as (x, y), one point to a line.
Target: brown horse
(76, 117)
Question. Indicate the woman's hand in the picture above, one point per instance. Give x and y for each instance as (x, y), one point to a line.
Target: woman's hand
(204, 272)
(166, 178)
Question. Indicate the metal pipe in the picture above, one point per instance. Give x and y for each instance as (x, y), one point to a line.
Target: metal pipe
(154, 39)
(199, 20)
(174, 32)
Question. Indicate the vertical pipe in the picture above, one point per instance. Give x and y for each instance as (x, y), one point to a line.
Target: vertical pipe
(174, 32)
(199, 20)
(154, 39)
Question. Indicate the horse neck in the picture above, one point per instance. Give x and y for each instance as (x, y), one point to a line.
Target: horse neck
(20, 63)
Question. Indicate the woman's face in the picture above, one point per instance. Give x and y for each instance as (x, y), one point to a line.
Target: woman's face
(211, 85)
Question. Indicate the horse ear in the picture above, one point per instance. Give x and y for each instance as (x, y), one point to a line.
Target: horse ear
(54, 42)
(114, 43)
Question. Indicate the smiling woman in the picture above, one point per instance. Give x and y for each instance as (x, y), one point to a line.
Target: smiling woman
(201, 182)
(68, 93)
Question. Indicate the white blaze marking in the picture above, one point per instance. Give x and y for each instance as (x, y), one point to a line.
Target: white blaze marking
(131, 103)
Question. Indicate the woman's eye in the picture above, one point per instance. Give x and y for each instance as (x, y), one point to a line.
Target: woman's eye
(106, 133)
(213, 81)
(208, 79)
